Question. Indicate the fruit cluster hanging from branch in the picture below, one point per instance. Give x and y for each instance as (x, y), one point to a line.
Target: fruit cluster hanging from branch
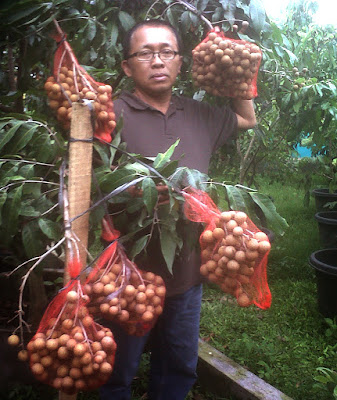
(224, 66)
(71, 83)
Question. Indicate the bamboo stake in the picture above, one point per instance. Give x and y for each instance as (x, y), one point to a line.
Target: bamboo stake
(79, 184)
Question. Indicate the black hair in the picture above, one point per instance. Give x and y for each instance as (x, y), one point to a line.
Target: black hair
(153, 23)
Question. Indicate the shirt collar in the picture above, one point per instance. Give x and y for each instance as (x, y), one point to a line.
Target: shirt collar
(138, 104)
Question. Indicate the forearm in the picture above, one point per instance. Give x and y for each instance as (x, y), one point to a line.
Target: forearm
(244, 109)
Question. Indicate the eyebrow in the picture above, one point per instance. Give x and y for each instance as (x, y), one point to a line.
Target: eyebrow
(150, 46)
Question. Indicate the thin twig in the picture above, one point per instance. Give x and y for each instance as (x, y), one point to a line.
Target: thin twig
(28, 181)
(26, 162)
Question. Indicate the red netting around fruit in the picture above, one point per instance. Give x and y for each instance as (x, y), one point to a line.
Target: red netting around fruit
(121, 292)
(234, 252)
(71, 352)
(71, 83)
(224, 66)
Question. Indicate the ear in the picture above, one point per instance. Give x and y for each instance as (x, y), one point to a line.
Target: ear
(126, 68)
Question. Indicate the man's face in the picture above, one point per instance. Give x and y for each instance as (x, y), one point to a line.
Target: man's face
(156, 76)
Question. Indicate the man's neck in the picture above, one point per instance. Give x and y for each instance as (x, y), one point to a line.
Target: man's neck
(160, 102)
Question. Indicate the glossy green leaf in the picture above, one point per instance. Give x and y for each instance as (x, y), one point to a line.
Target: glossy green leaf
(91, 30)
(3, 198)
(126, 20)
(274, 221)
(135, 205)
(13, 212)
(150, 194)
(168, 169)
(6, 136)
(184, 177)
(138, 246)
(202, 4)
(114, 35)
(163, 158)
(235, 198)
(27, 171)
(22, 138)
(114, 179)
(257, 14)
(168, 245)
(50, 228)
(24, 13)
(31, 239)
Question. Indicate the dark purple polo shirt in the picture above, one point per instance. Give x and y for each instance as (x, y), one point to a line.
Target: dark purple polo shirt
(201, 129)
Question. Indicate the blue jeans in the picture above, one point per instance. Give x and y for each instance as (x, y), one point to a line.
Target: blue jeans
(174, 352)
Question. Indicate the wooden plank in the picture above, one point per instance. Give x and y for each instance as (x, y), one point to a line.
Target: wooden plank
(79, 188)
(222, 376)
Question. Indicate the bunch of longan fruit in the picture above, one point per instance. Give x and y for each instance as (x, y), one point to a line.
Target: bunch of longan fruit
(231, 252)
(226, 67)
(74, 353)
(72, 85)
(127, 295)
(70, 352)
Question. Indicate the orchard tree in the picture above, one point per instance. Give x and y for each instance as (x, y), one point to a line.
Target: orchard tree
(297, 102)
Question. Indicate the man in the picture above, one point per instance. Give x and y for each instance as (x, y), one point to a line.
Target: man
(153, 120)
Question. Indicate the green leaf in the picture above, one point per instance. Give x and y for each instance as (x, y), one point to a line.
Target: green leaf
(150, 194)
(137, 168)
(202, 4)
(14, 211)
(101, 150)
(115, 178)
(134, 205)
(292, 57)
(4, 122)
(114, 35)
(274, 220)
(257, 15)
(3, 198)
(139, 246)
(184, 177)
(91, 30)
(115, 142)
(185, 21)
(286, 99)
(31, 239)
(235, 198)
(126, 20)
(297, 106)
(24, 13)
(6, 136)
(28, 211)
(168, 245)
(168, 169)
(27, 171)
(50, 228)
(163, 158)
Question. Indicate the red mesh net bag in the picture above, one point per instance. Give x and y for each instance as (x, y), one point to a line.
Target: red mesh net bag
(71, 352)
(234, 251)
(70, 83)
(121, 292)
(226, 67)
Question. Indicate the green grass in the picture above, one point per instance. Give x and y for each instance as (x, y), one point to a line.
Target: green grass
(285, 344)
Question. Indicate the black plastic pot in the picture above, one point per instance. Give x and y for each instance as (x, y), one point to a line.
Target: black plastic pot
(325, 264)
(327, 226)
(322, 196)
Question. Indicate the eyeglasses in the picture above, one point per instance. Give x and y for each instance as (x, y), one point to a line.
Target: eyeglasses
(148, 55)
